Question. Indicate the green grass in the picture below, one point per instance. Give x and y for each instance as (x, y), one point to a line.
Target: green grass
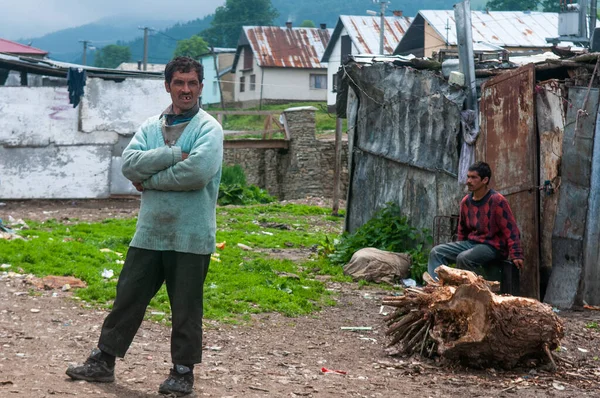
(242, 283)
(325, 122)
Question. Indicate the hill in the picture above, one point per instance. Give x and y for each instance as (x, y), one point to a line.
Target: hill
(64, 45)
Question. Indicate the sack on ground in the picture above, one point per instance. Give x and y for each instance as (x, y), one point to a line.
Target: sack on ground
(374, 265)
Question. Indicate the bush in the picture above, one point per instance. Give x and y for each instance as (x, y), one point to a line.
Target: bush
(391, 231)
(234, 191)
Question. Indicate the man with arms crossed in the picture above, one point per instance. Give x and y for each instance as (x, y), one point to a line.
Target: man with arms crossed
(487, 229)
(175, 161)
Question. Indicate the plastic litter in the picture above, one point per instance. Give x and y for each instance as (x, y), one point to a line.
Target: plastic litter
(107, 273)
(338, 372)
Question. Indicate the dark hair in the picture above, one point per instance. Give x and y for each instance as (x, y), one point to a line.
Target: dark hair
(482, 168)
(183, 65)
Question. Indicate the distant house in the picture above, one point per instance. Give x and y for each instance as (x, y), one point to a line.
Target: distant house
(280, 64)
(14, 48)
(514, 31)
(217, 69)
(16, 78)
(360, 35)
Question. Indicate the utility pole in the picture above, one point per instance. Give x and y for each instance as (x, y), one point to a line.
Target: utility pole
(447, 32)
(593, 17)
(464, 35)
(84, 56)
(145, 59)
(383, 4)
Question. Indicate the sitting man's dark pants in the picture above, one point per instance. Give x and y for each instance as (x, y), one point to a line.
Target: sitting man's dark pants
(465, 254)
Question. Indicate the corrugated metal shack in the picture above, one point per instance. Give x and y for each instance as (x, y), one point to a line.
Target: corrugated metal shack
(403, 141)
(538, 125)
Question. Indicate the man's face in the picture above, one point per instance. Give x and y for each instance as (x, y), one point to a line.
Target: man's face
(474, 181)
(185, 88)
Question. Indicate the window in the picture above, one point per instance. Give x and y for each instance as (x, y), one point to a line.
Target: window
(346, 48)
(318, 82)
(252, 82)
(215, 88)
(248, 60)
(334, 83)
(242, 84)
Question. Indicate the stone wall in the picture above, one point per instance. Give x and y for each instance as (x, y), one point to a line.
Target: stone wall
(305, 169)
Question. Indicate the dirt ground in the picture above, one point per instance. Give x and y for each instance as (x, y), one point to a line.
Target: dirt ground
(274, 356)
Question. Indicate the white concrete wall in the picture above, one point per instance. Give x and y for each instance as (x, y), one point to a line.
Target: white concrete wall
(121, 107)
(43, 154)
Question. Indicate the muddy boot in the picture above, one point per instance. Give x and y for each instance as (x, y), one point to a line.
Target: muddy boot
(96, 368)
(179, 383)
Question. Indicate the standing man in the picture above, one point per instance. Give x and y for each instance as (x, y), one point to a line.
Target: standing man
(487, 229)
(175, 161)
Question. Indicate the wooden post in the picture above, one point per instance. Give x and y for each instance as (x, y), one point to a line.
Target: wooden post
(337, 171)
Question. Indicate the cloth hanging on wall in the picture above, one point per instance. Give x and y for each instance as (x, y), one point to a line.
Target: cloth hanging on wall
(75, 82)
(469, 134)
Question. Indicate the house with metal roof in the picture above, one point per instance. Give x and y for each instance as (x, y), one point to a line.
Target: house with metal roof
(355, 34)
(513, 31)
(280, 64)
(14, 48)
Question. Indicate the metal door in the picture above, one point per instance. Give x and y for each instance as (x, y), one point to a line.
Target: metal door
(508, 142)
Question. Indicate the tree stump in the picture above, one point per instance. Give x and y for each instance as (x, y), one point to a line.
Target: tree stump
(460, 318)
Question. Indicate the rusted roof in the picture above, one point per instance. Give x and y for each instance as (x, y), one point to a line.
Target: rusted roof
(282, 47)
(502, 28)
(11, 47)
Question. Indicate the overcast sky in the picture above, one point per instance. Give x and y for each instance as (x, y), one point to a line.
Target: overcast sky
(34, 18)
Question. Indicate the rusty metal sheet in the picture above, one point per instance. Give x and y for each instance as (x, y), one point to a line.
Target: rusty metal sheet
(565, 289)
(551, 123)
(508, 142)
(283, 47)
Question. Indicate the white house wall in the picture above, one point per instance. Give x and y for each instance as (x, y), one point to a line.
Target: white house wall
(335, 61)
(280, 84)
(292, 84)
(43, 154)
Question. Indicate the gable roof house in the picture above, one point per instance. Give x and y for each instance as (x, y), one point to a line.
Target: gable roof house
(14, 48)
(360, 35)
(19, 50)
(280, 64)
(513, 31)
(218, 79)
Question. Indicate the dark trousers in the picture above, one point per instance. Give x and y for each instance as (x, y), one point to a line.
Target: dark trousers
(143, 274)
(466, 254)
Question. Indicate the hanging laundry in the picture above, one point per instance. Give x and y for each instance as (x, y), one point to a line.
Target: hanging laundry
(75, 81)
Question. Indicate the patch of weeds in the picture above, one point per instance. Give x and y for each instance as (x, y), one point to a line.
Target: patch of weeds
(592, 325)
(241, 284)
(234, 190)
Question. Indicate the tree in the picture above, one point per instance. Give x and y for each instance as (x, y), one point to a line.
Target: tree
(112, 56)
(307, 23)
(551, 5)
(512, 5)
(227, 24)
(194, 47)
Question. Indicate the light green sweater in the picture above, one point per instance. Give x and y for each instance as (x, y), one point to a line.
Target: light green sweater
(180, 196)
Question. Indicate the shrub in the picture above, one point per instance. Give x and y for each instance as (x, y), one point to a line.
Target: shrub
(234, 190)
(388, 230)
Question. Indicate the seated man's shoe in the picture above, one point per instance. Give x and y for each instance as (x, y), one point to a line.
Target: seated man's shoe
(179, 383)
(93, 369)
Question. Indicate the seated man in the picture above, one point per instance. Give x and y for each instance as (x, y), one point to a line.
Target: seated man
(487, 229)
